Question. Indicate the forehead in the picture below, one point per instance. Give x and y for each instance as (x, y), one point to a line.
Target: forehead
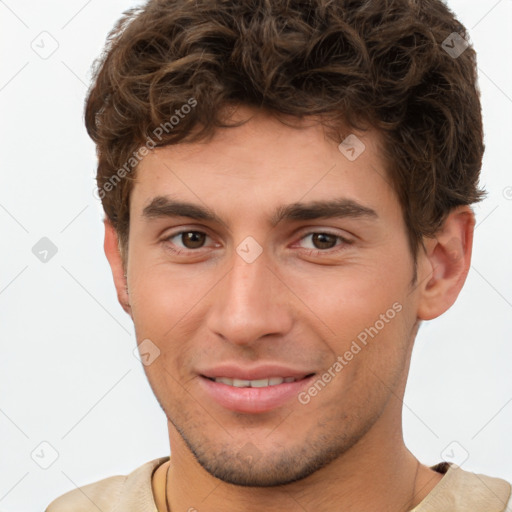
(263, 163)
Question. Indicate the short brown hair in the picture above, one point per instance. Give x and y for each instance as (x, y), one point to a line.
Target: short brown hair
(352, 62)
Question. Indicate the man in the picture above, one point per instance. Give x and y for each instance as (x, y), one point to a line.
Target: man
(287, 188)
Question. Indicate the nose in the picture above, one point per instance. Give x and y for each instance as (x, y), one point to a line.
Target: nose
(250, 302)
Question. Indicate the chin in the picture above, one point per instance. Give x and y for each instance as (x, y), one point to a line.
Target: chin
(251, 467)
(264, 473)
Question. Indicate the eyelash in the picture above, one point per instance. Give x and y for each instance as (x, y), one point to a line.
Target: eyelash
(311, 252)
(344, 242)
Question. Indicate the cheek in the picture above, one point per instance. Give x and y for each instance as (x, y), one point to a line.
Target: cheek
(168, 305)
(349, 300)
(161, 295)
(364, 318)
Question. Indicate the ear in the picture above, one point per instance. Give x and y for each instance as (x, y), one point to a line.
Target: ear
(445, 263)
(113, 253)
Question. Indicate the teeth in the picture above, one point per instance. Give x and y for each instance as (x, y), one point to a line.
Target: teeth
(259, 383)
(239, 383)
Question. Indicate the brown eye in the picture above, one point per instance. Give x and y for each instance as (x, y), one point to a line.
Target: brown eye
(193, 239)
(324, 240)
(323, 243)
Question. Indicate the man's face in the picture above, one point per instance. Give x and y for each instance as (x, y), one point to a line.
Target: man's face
(261, 290)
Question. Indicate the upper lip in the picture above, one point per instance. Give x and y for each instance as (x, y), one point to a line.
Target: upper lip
(265, 371)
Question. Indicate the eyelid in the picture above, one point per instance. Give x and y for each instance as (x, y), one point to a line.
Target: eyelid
(312, 230)
(343, 239)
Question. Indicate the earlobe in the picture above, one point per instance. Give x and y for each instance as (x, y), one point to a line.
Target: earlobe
(114, 257)
(445, 263)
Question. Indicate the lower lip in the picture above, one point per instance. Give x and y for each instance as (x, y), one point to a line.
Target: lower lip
(253, 400)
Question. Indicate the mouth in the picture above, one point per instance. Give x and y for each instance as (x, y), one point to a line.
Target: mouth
(253, 396)
(257, 383)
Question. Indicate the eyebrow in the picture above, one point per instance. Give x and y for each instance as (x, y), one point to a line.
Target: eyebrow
(163, 206)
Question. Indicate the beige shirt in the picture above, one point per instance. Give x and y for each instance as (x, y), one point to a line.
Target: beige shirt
(458, 491)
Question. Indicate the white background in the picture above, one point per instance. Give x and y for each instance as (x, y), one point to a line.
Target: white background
(67, 372)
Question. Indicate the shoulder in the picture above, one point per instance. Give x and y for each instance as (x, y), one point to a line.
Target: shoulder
(100, 495)
(461, 490)
(110, 494)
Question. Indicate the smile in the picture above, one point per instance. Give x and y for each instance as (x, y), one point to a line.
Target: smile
(253, 396)
(258, 383)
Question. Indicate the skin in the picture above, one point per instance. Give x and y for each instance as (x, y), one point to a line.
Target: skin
(343, 450)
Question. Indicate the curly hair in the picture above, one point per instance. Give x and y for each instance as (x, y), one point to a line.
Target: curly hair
(170, 69)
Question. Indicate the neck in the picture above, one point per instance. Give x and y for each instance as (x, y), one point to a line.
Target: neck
(377, 473)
